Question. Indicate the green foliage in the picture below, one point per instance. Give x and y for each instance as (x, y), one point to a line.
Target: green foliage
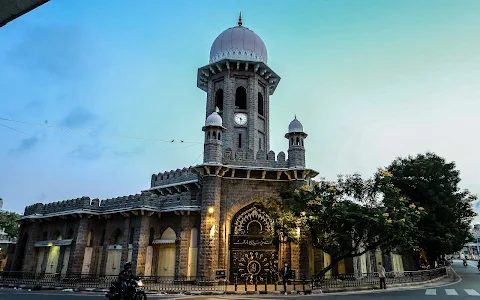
(432, 183)
(348, 217)
(8, 221)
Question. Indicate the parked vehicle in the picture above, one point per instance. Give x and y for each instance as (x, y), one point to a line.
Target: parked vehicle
(133, 291)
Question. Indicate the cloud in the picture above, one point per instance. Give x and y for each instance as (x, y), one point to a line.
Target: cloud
(26, 145)
(57, 51)
(85, 152)
(78, 117)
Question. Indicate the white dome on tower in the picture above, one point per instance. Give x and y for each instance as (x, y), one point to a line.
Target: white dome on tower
(239, 43)
(295, 126)
(214, 120)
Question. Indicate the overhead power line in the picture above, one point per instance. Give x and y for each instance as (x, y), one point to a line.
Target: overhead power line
(95, 149)
(98, 133)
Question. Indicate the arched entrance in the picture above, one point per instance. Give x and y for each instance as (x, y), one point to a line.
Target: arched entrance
(253, 254)
(167, 253)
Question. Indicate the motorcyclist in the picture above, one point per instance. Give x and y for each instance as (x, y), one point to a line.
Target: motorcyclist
(478, 265)
(465, 262)
(125, 276)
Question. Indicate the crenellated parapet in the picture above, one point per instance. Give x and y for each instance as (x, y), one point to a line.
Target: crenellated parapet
(260, 159)
(180, 197)
(34, 209)
(172, 177)
(60, 206)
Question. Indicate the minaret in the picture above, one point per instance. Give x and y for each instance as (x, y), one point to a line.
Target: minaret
(213, 129)
(296, 146)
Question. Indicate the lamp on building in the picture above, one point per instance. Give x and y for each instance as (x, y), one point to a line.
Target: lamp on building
(211, 210)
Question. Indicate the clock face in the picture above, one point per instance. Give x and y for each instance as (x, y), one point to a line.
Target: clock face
(241, 119)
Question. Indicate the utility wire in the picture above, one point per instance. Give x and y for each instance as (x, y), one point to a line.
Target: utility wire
(91, 148)
(197, 158)
(98, 133)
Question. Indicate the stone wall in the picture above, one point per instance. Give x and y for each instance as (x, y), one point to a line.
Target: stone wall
(260, 159)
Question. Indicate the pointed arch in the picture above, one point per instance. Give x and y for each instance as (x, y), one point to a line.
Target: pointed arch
(260, 103)
(219, 100)
(169, 234)
(241, 98)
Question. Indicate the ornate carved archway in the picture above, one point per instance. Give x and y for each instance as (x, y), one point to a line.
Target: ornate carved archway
(253, 254)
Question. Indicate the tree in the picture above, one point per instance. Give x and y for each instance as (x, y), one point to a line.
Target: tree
(8, 221)
(432, 183)
(348, 217)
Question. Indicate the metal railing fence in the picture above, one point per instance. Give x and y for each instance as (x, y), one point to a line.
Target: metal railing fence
(201, 284)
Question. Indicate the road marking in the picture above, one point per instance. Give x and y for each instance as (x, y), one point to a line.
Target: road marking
(431, 292)
(472, 292)
(451, 292)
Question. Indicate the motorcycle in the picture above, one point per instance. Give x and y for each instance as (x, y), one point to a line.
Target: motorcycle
(133, 291)
(465, 263)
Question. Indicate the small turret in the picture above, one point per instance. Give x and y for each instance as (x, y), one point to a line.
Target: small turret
(213, 129)
(296, 146)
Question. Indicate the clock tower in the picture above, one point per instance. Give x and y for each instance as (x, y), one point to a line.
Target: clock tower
(239, 84)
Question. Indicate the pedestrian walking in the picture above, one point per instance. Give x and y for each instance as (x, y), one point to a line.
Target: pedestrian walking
(284, 273)
(381, 275)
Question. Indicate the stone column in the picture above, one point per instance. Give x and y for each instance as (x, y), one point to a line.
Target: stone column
(140, 243)
(106, 241)
(304, 258)
(29, 262)
(210, 221)
(184, 245)
(78, 247)
(126, 237)
(295, 257)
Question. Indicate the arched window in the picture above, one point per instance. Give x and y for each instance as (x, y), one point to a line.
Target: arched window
(219, 100)
(239, 140)
(260, 104)
(117, 237)
(208, 135)
(214, 135)
(57, 235)
(291, 141)
(132, 233)
(302, 142)
(219, 137)
(102, 239)
(151, 236)
(70, 234)
(298, 141)
(241, 98)
(90, 238)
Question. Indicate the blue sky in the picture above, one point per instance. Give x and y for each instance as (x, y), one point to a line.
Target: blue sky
(370, 81)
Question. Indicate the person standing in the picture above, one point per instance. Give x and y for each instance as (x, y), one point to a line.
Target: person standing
(284, 272)
(381, 275)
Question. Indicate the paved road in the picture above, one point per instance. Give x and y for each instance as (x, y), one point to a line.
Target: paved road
(468, 287)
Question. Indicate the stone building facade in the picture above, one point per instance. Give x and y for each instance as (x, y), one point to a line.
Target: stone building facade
(197, 220)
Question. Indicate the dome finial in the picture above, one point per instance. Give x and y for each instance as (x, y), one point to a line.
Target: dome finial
(240, 19)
